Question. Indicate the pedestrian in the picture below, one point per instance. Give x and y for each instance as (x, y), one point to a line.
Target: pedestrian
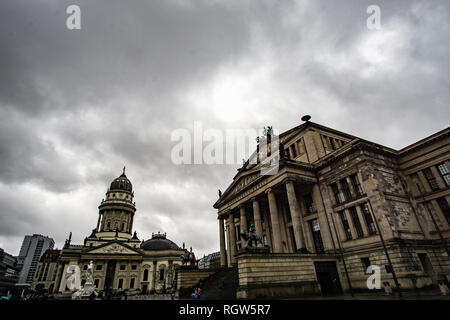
(199, 292)
(444, 288)
(387, 288)
(194, 295)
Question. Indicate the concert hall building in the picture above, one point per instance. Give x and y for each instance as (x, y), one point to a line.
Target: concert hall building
(333, 206)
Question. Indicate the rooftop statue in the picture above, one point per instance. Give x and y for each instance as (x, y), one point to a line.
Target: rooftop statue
(188, 257)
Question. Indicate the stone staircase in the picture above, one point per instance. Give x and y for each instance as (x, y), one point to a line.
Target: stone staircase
(221, 285)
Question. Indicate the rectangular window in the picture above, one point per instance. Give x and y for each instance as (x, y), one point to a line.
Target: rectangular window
(431, 179)
(131, 283)
(39, 271)
(55, 272)
(46, 271)
(445, 173)
(356, 184)
(133, 267)
(123, 267)
(98, 267)
(310, 208)
(317, 237)
(337, 195)
(345, 225)
(96, 283)
(293, 150)
(346, 189)
(356, 222)
(366, 263)
(368, 218)
(120, 284)
(445, 208)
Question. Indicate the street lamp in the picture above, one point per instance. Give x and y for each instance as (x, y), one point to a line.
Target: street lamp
(385, 249)
(425, 203)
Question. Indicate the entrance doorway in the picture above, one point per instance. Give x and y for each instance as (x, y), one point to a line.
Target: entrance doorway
(109, 279)
(426, 265)
(328, 277)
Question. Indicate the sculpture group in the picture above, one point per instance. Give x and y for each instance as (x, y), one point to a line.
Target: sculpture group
(251, 237)
(85, 291)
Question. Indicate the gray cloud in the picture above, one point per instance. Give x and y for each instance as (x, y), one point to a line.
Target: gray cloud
(75, 106)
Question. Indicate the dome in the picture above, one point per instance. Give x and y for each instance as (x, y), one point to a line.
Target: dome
(121, 183)
(159, 242)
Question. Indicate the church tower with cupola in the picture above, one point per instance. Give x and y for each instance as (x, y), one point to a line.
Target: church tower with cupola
(116, 211)
(122, 261)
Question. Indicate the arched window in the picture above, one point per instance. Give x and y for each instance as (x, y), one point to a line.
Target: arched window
(145, 275)
(161, 274)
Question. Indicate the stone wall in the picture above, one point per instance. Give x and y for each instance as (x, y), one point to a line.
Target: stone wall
(407, 265)
(276, 275)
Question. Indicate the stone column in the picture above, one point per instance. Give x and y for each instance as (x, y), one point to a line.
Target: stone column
(154, 276)
(243, 217)
(325, 228)
(130, 227)
(98, 222)
(274, 219)
(227, 234)
(257, 218)
(268, 229)
(223, 258)
(170, 275)
(232, 229)
(297, 219)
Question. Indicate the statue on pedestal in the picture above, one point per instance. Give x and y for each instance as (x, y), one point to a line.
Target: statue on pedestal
(188, 257)
(88, 289)
(251, 237)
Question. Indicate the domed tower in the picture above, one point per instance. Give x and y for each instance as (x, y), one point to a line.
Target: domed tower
(116, 212)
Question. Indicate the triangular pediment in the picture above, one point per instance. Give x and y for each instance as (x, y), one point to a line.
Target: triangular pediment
(241, 181)
(113, 248)
(303, 145)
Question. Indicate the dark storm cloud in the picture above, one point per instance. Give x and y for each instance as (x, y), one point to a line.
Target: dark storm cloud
(75, 106)
(152, 47)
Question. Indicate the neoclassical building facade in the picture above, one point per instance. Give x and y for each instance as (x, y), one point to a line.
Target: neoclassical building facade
(121, 260)
(332, 206)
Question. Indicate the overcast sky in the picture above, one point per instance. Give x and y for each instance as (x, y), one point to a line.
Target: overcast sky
(78, 105)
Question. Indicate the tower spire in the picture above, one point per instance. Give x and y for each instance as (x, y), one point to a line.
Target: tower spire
(124, 170)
